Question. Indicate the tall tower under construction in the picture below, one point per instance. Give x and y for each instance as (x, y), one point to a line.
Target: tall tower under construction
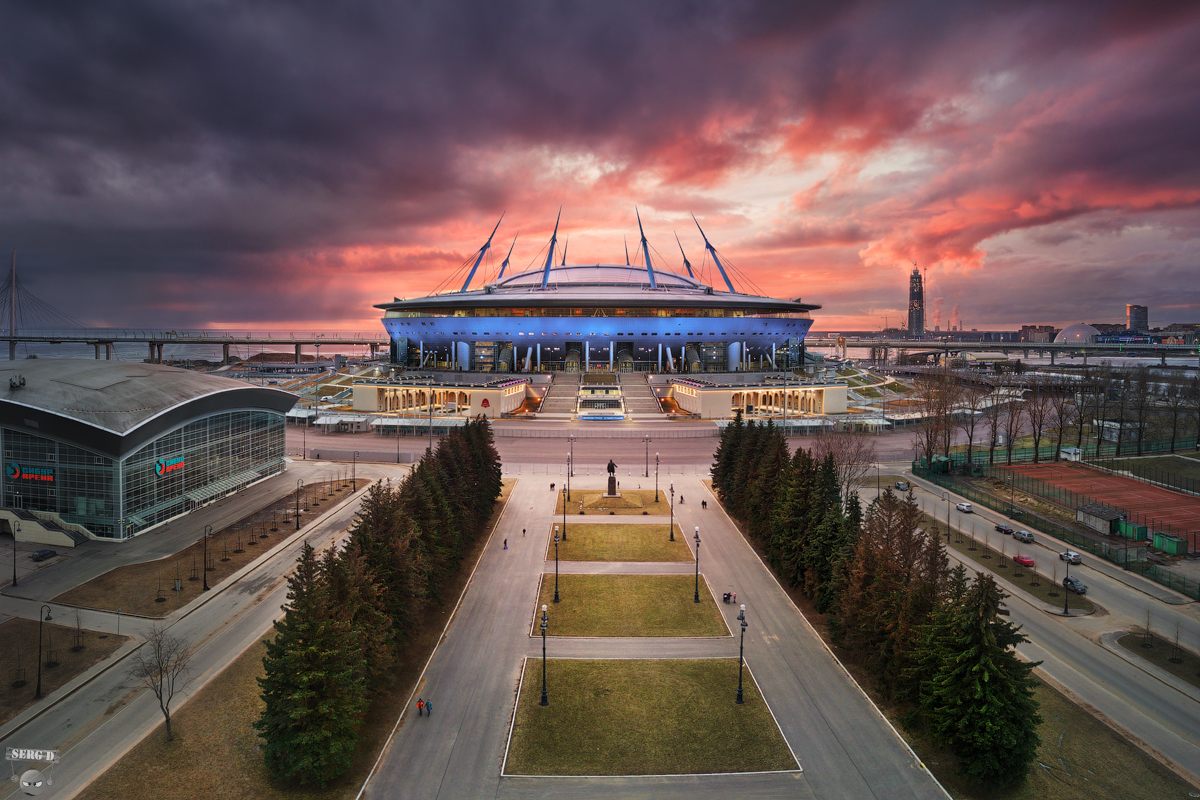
(916, 304)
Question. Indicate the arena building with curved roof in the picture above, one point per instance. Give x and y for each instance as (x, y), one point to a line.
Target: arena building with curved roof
(108, 449)
(580, 317)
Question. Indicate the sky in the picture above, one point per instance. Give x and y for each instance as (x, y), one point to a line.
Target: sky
(286, 166)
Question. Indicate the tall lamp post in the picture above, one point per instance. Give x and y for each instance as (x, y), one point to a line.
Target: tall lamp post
(299, 488)
(571, 455)
(656, 462)
(429, 402)
(556, 564)
(646, 439)
(570, 469)
(354, 470)
(1067, 592)
(696, 596)
(565, 498)
(876, 481)
(43, 616)
(545, 620)
(672, 529)
(18, 530)
(741, 650)
(207, 531)
(946, 497)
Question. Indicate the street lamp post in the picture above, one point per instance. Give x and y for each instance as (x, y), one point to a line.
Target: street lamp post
(556, 598)
(672, 529)
(570, 470)
(647, 440)
(42, 617)
(696, 595)
(1067, 592)
(656, 462)
(946, 497)
(18, 530)
(304, 439)
(876, 481)
(429, 402)
(354, 470)
(207, 531)
(566, 497)
(571, 455)
(545, 620)
(299, 488)
(741, 650)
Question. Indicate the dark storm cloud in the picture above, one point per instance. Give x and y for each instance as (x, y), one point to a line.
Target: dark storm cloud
(159, 155)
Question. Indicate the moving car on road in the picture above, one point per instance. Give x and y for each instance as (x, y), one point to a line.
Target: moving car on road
(902, 486)
(965, 508)
(43, 555)
(1073, 584)
(1005, 528)
(1071, 557)
(1024, 560)
(1023, 536)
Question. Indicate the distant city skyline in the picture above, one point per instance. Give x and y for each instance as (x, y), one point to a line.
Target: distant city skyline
(288, 167)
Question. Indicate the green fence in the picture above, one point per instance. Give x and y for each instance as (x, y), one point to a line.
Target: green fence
(1091, 451)
(1152, 474)
(1127, 555)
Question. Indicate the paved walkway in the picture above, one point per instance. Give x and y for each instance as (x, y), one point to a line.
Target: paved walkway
(846, 748)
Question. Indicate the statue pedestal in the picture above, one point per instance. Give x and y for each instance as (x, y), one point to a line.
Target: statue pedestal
(612, 487)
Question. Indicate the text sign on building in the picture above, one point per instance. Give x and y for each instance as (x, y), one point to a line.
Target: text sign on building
(165, 466)
(30, 754)
(15, 472)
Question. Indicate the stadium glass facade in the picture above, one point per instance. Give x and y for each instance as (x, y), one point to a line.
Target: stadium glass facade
(192, 464)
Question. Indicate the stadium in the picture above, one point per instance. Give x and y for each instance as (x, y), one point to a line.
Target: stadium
(561, 317)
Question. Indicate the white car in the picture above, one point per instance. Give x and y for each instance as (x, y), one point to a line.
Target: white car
(1071, 557)
(965, 508)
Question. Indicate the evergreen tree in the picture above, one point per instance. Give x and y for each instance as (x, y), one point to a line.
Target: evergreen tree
(731, 441)
(358, 598)
(980, 701)
(314, 685)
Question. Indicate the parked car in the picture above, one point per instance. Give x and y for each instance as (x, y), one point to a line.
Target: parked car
(1005, 528)
(42, 555)
(1024, 560)
(965, 508)
(1023, 536)
(1073, 584)
(902, 486)
(1071, 557)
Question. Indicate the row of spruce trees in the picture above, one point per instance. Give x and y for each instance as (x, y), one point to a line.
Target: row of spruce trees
(931, 639)
(352, 610)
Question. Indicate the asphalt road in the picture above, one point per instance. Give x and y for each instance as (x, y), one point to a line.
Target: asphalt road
(846, 748)
(1163, 713)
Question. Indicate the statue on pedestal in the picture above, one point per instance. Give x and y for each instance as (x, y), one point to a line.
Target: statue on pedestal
(612, 479)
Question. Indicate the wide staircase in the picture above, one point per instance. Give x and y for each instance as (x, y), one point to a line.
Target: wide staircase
(561, 397)
(640, 401)
(42, 527)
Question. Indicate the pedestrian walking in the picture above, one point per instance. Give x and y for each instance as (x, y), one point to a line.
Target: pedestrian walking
(506, 544)
(522, 533)
(704, 505)
(420, 706)
(429, 708)
(552, 487)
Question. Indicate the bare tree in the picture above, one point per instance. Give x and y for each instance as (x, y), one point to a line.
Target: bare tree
(1013, 414)
(925, 437)
(1122, 384)
(1142, 402)
(994, 413)
(1037, 411)
(1065, 412)
(973, 400)
(853, 454)
(161, 664)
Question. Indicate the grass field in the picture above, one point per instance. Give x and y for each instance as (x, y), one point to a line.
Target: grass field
(630, 605)
(620, 542)
(630, 501)
(1156, 467)
(1162, 653)
(642, 717)
(1044, 582)
(19, 658)
(135, 588)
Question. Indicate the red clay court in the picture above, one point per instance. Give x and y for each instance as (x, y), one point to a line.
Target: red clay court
(1179, 513)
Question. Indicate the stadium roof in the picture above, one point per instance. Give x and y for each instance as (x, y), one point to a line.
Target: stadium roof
(115, 406)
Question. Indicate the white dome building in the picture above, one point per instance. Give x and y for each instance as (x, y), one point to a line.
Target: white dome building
(1079, 333)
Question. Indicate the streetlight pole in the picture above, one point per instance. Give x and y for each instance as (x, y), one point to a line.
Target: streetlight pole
(647, 440)
(556, 598)
(207, 531)
(429, 402)
(354, 471)
(1067, 592)
(656, 462)
(571, 455)
(741, 651)
(18, 530)
(946, 497)
(570, 469)
(672, 529)
(545, 620)
(299, 488)
(42, 617)
(696, 596)
(876, 481)
(566, 497)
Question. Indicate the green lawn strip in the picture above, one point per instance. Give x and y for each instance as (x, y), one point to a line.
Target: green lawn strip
(1160, 468)
(620, 542)
(1162, 653)
(1044, 583)
(629, 605)
(1079, 758)
(629, 501)
(868, 391)
(642, 717)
